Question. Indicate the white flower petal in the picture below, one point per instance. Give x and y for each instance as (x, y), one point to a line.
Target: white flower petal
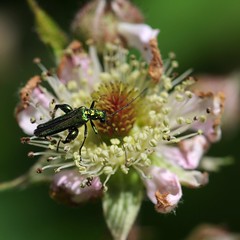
(201, 111)
(163, 189)
(34, 105)
(67, 188)
(193, 179)
(187, 155)
(78, 66)
(23, 118)
(138, 36)
(211, 127)
(230, 86)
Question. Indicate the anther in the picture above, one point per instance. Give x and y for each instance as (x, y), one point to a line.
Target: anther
(83, 185)
(37, 60)
(39, 170)
(195, 118)
(49, 138)
(208, 110)
(32, 120)
(50, 159)
(52, 141)
(90, 42)
(89, 181)
(31, 154)
(25, 140)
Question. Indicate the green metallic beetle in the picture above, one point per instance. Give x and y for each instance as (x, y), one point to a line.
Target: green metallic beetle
(71, 121)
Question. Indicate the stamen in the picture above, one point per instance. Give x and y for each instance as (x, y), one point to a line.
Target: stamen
(183, 76)
(105, 188)
(38, 62)
(34, 154)
(65, 166)
(199, 132)
(140, 171)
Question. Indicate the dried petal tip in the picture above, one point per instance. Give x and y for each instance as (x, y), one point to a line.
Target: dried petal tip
(26, 92)
(163, 204)
(163, 189)
(32, 96)
(156, 65)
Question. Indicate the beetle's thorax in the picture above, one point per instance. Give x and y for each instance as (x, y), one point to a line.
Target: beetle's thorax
(95, 114)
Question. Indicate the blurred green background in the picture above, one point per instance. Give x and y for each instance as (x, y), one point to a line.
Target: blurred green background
(204, 34)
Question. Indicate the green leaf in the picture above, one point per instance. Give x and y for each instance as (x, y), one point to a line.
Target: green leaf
(121, 203)
(48, 30)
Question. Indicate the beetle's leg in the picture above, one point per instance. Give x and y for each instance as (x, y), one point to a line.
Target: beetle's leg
(84, 139)
(93, 127)
(64, 107)
(92, 105)
(58, 143)
(73, 132)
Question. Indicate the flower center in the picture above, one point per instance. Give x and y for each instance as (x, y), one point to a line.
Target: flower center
(114, 98)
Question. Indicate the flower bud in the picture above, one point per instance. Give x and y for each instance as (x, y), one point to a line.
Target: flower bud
(99, 19)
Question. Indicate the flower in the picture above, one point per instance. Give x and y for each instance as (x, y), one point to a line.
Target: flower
(157, 129)
(113, 126)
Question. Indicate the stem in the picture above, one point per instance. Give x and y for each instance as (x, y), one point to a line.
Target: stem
(17, 182)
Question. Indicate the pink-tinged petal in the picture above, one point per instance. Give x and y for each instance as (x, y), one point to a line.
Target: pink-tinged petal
(196, 111)
(23, 118)
(138, 36)
(69, 187)
(163, 189)
(214, 108)
(193, 179)
(76, 65)
(187, 154)
(230, 86)
(33, 106)
(126, 11)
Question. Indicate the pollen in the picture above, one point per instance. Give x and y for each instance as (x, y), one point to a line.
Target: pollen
(114, 98)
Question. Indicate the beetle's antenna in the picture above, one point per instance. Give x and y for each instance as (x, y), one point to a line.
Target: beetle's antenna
(129, 103)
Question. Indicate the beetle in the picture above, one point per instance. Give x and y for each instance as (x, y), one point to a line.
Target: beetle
(71, 121)
(74, 119)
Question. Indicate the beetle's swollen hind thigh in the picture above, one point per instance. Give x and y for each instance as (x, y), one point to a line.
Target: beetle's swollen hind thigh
(72, 134)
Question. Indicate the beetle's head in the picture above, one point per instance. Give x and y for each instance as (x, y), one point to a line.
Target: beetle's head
(102, 116)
